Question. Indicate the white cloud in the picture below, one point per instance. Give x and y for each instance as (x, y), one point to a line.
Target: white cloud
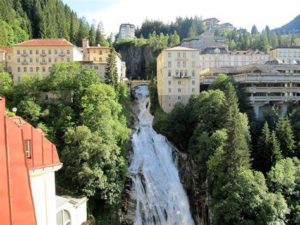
(238, 12)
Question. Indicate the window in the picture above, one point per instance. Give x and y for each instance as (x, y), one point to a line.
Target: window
(19, 69)
(184, 55)
(63, 217)
(31, 69)
(68, 51)
(18, 60)
(100, 59)
(169, 54)
(49, 52)
(18, 52)
(100, 52)
(30, 52)
(184, 64)
(27, 148)
(37, 69)
(49, 60)
(37, 52)
(169, 64)
(55, 51)
(37, 60)
(170, 82)
(193, 73)
(178, 54)
(169, 73)
(178, 64)
(44, 69)
(179, 90)
(179, 97)
(193, 90)
(24, 51)
(179, 82)
(170, 90)
(49, 69)
(193, 82)
(30, 60)
(68, 59)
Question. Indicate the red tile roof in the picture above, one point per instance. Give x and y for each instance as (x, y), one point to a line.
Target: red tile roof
(45, 42)
(17, 207)
(8, 50)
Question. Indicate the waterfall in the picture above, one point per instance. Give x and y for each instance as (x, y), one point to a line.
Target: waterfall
(160, 197)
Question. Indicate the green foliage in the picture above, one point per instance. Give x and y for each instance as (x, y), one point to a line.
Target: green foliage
(5, 83)
(285, 136)
(284, 178)
(86, 121)
(111, 74)
(268, 150)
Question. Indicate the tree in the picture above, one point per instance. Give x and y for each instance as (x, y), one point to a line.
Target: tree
(285, 136)
(100, 39)
(111, 73)
(268, 150)
(29, 110)
(284, 178)
(92, 35)
(6, 83)
(254, 30)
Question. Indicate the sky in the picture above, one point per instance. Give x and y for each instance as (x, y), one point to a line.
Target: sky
(240, 13)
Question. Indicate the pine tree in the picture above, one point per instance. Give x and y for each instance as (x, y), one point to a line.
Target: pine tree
(92, 35)
(111, 74)
(285, 136)
(268, 150)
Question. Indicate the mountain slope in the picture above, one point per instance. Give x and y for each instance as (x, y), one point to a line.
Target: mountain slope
(291, 27)
(24, 19)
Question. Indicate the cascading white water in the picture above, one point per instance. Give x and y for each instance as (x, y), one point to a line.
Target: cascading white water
(160, 197)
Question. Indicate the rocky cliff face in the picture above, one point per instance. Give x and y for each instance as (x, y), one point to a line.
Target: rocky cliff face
(138, 59)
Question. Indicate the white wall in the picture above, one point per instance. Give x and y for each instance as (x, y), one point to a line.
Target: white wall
(43, 191)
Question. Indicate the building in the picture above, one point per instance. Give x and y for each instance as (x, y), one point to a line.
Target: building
(265, 85)
(205, 40)
(27, 175)
(126, 31)
(211, 23)
(95, 57)
(215, 57)
(287, 55)
(37, 56)
(177, 76)
(5, 59)
(178, 70)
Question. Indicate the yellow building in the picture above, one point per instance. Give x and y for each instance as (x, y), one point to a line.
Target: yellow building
(37, 56)
(177, 76)
(95, 57)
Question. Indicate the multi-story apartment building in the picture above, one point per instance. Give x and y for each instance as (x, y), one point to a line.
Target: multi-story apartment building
(205, 40)
(126, 31)
(215, 57)
(177, 76)
(96, 57)
(37, 56)
(287, 55)
(265, 84)
(27, 175)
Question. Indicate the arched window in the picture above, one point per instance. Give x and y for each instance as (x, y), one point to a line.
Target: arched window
(63, 217)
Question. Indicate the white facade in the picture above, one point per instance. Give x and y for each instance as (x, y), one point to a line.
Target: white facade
(43, 190)
(127, 31)
(77, 54)
(287, 55)
(70, 211)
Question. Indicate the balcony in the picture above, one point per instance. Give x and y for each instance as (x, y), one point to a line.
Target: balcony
(182, 77)
(43, 54)
(274, 98)
(24, 63)
(62, 54)
(43, 63)
(24, 54)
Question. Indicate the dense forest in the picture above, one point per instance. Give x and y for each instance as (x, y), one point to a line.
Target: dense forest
(249, 168)
(24, 19)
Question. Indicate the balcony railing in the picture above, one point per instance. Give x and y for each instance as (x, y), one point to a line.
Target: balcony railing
(43, 63)
(24, 54)
(43, 54)
(181, 77)
(274, 98)
(25, 63)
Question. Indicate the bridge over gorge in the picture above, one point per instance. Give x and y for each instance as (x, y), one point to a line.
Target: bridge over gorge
(134, 83)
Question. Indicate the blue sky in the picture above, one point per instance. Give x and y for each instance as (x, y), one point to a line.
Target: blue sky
(238, 12)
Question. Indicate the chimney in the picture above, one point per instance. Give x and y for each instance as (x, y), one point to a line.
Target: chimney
(85, 43)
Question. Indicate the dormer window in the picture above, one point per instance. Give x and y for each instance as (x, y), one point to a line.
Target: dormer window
(27, 146)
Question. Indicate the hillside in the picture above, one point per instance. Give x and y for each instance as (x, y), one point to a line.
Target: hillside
(291, 27)
(24, 19)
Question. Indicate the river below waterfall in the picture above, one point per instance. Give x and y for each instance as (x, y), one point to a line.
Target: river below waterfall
(159, 194)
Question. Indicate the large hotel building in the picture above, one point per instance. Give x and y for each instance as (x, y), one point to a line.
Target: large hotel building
(179, 69)
(37, 56)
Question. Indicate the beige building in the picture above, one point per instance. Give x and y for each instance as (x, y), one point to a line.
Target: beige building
(37, 56)
(95, 57)
(265, 84)
(179, 68)
(287, 55)
(126, 31)
(177, 76)
(215, 58)
(5, 59)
